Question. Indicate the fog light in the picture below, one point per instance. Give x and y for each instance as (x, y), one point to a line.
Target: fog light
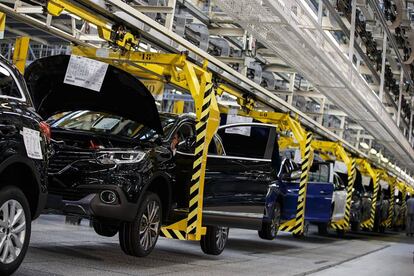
(108, 197)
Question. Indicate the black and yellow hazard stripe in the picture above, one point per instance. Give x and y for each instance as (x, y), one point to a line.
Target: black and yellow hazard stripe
(404, 201)
(201, 130)
(173, 234)
(391, 207)
(350, 187)
(305, 166)
(374, 201)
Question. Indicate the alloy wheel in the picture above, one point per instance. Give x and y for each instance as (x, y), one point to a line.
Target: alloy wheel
(221, 237)
(12, 231)
(275, 221)
(149, 227)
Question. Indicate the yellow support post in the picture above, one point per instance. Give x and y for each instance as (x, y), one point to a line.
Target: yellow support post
(21, 48)
(392, 185)
(366, 168)
(2, 24)
(328, 150)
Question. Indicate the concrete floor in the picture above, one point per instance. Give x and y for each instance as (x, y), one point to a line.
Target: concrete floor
(59, 249)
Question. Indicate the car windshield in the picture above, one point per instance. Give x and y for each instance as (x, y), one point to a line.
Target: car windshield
(108, 124)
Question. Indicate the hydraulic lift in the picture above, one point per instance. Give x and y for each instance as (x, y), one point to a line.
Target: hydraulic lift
(301, 138)
(366, 169)
(176, 70)
(334, 151)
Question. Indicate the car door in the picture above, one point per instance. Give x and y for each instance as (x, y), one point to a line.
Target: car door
(238, 176)
(16, 114)
(320, 192)
(184, 157)
(339, 199)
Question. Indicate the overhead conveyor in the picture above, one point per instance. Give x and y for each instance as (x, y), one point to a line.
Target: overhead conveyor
(334, 151)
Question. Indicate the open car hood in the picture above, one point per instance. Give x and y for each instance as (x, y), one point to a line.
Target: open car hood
(121, 93)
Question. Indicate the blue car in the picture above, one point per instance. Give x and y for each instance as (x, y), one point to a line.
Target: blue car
(319, 195)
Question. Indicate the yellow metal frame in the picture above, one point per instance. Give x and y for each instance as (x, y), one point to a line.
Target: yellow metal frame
(392, 183)
(366, 168)
(176, 69)
(334, 150)
(2, 24)
(117, 35)
(301, 138)
(20, 53)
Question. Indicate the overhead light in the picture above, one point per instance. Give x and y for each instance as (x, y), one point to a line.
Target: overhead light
(373, 151)
(364, 145)
(385, 160)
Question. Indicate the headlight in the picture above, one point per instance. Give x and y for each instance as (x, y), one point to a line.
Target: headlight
(120, 157)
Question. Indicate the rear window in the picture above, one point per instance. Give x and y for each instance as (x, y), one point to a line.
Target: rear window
(245, 141)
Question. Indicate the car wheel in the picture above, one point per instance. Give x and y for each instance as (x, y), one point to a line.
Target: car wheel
(103, 229)
(138, 238)
(215, 240)
(323, 229)
(15, 229)
(270, 228)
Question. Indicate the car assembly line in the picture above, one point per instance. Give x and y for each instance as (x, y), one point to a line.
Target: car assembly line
(167, 118)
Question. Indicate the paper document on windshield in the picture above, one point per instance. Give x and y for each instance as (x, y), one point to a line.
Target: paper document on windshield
(233, 118)
(85, 72)
(31, 139)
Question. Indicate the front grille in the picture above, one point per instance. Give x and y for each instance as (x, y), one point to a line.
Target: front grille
(63, 158)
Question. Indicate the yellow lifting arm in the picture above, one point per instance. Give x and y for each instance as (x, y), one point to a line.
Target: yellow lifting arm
(330, 150)
(115, 34)
(392, 182)
(198, 81)
(366, 168)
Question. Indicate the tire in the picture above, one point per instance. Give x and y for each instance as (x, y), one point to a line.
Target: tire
(215, 240)
(356, 226)
(322, 228)
(103, 229)
(270, 228)
(340, 233)
(16, 235)
(138, 238)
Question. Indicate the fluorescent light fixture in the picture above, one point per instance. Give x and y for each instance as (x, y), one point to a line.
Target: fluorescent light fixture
(373, 151)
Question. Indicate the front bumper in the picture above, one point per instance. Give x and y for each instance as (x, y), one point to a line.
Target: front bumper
(91, 205)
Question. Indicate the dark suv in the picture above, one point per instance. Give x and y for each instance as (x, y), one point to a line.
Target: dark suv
(24, 150)
(120, 162)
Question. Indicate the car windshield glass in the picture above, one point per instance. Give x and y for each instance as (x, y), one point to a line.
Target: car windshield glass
(109, 124)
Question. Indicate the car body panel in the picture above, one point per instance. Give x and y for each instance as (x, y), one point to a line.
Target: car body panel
(318, 201)
(339, 200)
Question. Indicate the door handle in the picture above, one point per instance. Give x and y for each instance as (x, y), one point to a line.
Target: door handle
(323, 192)
(8, 129)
